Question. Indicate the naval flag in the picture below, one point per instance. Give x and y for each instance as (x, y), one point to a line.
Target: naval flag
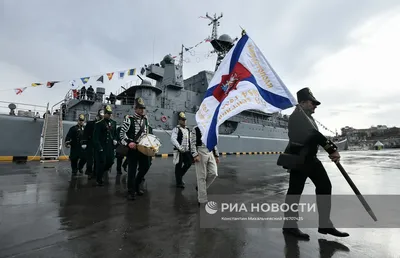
(244, 80)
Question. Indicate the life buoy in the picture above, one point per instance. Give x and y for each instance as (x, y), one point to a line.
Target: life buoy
(163, 119)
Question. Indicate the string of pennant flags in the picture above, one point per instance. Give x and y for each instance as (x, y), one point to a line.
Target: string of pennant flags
(85, 79)
(324, 127)
(18, 91)
(102, 78)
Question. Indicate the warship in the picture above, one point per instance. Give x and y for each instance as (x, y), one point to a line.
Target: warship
(165, 93)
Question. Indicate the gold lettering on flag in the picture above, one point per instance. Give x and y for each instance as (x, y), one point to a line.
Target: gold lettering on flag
(259, 70)
(249, 96)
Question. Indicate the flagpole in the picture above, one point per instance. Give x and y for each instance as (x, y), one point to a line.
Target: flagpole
(347, 177)
(243, 31)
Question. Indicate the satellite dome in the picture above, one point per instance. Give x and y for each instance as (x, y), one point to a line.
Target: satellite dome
(168, 59)
(226, 38)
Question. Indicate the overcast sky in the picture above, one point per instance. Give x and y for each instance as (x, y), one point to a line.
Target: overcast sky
(347, 52)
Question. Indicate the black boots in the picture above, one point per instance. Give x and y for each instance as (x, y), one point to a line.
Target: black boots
(131, 196)
(333, 232)
(296, 232)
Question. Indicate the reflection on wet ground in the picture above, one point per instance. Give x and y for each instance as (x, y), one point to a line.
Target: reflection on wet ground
(43, 213)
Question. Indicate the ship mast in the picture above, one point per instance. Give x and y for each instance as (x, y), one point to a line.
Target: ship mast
(181, 57)
(221, 45)
(215, 23)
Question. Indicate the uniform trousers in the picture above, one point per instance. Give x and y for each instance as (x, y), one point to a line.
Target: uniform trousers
(104, 162)
(206, 172)
(314, 170)
(136, 158)
(120, 158)
(77, 163)
(185, 162)
(90, 160)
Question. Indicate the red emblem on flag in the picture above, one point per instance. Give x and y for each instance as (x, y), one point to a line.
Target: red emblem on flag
(230, 81)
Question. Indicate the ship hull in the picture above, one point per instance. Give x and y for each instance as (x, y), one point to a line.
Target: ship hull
(21, 137)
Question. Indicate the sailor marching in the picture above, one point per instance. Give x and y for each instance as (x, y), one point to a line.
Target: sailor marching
(132, 129)
(183, 159)
(105, 140)
(74, 140)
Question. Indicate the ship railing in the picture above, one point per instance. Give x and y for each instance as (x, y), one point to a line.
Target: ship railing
(68, 96)
(105, 100)
(133, 83)
(128, 100)
(22, 109)
(58, 103)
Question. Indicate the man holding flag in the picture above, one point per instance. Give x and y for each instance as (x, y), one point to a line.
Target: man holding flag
(245, 80)
(304, 139)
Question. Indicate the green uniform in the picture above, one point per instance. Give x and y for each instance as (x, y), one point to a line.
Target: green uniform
(75, 138)
(104, 139)
(88, 138)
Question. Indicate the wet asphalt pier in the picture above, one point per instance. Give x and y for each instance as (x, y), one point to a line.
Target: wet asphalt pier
(45, 213)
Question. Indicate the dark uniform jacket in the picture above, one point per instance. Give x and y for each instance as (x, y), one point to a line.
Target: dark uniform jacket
(105, 132)
(88, 132)
(75, 137)
(304, 137)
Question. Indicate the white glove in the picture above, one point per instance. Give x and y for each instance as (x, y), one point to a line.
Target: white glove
(115, 142)
(181, 149)
(84, 146)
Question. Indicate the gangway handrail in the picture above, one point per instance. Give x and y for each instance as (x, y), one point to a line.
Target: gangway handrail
(44, 128)
(60, 133)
